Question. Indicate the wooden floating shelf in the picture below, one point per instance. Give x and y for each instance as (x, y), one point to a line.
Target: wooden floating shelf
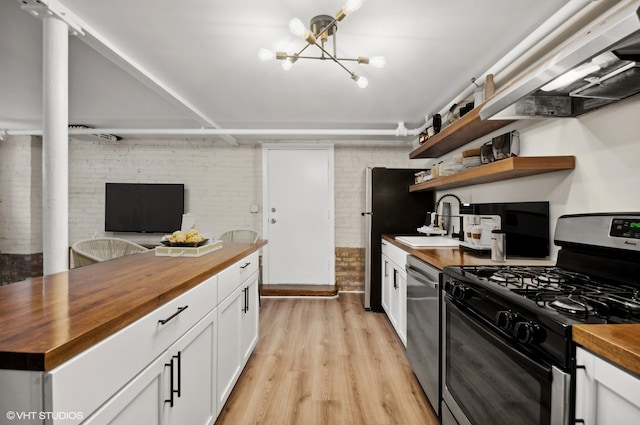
(466, 129)
(504, 169)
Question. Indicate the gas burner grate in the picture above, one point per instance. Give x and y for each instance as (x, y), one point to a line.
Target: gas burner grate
(569, 292)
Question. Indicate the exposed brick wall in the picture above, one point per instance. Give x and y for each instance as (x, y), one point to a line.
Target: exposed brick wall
(17, 267)
(350, 269)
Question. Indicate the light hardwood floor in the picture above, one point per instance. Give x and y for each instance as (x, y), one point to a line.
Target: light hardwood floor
(326, 361)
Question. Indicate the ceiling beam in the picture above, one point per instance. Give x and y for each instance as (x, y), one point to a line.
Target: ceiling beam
(102, 45)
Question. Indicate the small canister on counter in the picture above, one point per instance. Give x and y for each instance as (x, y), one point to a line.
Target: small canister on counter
(498, 245)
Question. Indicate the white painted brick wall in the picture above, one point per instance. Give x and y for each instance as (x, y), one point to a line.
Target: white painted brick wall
(20, 195)
(221, 182)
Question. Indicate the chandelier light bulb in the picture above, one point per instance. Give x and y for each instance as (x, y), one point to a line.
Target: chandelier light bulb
(377, 61)
(360, 81)
(351, 6)
(266, 55)
(287, 64)
(297, 27)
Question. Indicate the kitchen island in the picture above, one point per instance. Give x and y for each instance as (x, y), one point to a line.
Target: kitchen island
(77, 340)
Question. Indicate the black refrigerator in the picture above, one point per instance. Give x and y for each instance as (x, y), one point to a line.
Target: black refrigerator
(389, 208)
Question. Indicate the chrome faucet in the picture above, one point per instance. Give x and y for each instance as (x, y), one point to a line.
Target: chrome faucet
(460, 234)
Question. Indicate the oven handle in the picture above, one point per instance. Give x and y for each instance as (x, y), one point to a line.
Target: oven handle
(415, 274)
(560, 381)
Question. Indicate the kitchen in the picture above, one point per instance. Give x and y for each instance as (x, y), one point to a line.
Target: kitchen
(603, 143)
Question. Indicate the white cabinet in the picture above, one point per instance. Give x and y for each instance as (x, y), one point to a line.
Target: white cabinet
(178, 387)
(394, 288)
(230, 353)
(237, 323)
(605, 393)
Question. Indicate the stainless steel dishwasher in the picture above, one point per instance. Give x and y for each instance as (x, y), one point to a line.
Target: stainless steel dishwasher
(423, 326)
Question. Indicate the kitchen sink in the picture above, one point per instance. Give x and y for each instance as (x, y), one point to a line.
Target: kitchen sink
(428, 241)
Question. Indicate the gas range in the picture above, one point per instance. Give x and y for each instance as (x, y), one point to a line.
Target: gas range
(595, 280)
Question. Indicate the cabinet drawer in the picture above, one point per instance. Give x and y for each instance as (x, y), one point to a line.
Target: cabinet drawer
(111, 363)
(398, 256)
(233, 276)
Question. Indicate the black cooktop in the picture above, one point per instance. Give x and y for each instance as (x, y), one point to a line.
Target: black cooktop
(574, 295)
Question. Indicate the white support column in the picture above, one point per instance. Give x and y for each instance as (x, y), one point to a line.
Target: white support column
(55, 146)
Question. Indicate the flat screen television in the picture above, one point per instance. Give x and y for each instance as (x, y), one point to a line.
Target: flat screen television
(143, 207)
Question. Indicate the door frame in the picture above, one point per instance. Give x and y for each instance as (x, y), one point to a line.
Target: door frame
(266, 147)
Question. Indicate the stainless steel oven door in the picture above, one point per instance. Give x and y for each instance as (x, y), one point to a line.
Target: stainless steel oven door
(486, 381)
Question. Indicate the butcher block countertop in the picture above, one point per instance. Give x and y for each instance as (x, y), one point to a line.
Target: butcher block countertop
(619, 344)
(45, 321)
(442, 257)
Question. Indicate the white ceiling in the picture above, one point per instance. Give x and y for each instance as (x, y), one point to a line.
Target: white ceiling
(205, 51)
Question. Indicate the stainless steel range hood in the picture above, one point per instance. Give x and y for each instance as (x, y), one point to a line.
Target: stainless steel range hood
(598, 65)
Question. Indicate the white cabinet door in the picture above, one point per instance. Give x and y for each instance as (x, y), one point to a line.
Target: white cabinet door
(394, 288)
(139, 402)
(605, 394)
(192, 376)
(250, 317)
(230, 313)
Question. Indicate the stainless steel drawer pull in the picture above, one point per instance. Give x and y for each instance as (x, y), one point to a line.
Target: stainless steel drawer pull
(180, 310)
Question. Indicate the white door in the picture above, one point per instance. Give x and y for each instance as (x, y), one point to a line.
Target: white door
(298, 215)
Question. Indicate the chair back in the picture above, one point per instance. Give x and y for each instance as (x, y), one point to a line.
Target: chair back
(90, 251)
(240, 236)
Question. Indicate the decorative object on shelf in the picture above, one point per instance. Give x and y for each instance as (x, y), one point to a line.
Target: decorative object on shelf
(423, 176)
(466, 108)
(486, 153)
(489, 87)
(451, 117)
(506, 145)
(323, 27)
(436, 122)
(471, 161)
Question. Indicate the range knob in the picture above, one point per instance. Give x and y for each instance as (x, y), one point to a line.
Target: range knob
(459, 291)
(528, 333)
(505, 320)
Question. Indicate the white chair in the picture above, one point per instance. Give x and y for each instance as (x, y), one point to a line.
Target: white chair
(240, 236)
(95, 250)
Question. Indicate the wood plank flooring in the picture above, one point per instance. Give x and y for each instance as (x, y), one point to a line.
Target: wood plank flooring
(326, 361)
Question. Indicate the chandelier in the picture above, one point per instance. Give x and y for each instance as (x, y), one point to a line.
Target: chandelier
(322, 27)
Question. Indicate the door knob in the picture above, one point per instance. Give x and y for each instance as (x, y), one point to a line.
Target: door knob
(273, 220)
